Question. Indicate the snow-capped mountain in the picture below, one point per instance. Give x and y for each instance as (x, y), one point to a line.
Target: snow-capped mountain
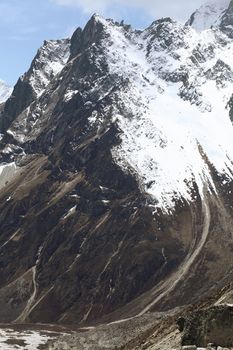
(5, 91)
(209, 15)
(116, 172)
(179, 84)
(214, 14)
(49, 61)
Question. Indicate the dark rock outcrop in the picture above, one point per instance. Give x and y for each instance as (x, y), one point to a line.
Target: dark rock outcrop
(227, 21)
(213, 325)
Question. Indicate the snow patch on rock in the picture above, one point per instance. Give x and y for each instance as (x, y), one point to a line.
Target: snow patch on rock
(7, 172)
(11, 339)
(70, 94)
(5, 91)
(50, 60)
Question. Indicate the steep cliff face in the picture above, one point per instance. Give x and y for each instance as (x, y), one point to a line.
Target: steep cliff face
(116, 177)
(48, 62)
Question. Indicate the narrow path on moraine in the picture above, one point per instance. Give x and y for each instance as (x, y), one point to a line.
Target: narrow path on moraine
(175, 278)
(23, 316)
(167, 286)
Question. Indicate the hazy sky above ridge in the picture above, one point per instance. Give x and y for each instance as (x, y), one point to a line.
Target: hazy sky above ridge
(25, 24)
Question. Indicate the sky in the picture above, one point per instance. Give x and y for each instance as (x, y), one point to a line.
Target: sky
(25, 24)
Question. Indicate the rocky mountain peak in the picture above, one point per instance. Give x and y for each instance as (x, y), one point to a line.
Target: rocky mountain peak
(48, 62)
(92, 33)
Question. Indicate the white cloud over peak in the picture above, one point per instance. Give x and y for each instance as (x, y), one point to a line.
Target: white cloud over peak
(178, 9)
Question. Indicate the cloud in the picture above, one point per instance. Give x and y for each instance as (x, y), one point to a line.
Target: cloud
(178, 9)
(88, 6)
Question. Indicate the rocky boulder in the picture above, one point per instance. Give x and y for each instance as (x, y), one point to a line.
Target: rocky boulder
(208, 326)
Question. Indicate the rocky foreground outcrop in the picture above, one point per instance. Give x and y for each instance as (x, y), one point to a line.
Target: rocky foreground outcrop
(212, 325)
